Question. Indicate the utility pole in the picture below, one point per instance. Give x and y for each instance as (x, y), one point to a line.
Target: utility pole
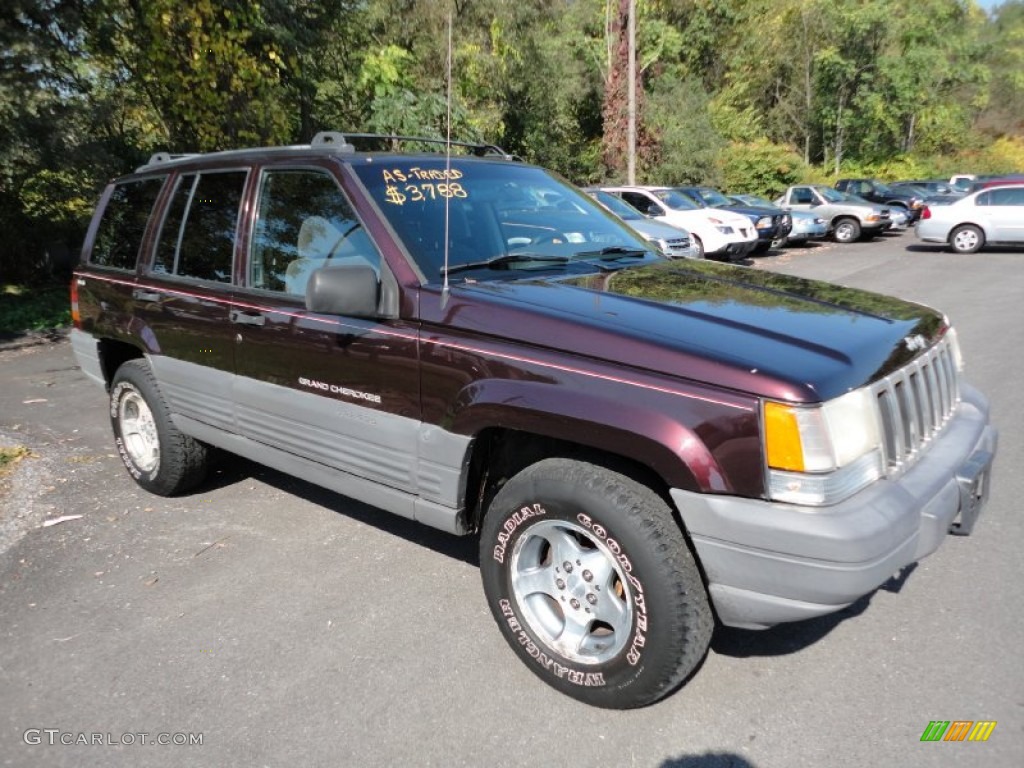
(631, 131)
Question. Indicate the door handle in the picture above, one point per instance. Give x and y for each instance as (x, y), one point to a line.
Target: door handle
(247, 318)
(141, 295)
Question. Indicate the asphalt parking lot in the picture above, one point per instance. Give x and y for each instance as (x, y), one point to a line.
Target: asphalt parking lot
(287, 626)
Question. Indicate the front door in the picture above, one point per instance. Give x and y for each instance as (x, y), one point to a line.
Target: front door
(339, 391)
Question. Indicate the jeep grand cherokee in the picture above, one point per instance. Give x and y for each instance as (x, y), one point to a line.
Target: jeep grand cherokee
(642, 446)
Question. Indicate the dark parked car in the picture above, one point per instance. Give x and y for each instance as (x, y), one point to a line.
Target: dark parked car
(877, 192)
(642, 445)
(771, 222)
(925, 186)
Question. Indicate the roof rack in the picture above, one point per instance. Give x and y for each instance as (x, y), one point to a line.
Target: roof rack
(476, 148)
(159, 158)
(340, 143)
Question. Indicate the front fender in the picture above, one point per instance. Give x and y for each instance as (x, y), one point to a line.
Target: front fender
(690, 440)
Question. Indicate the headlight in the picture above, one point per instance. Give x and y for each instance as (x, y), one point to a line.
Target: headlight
(720, 225)
(765, 222)
(661, 243)
(822, 454)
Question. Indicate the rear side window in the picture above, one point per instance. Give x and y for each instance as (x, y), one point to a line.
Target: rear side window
(123, 224)
(197, 238)
(1008, 196)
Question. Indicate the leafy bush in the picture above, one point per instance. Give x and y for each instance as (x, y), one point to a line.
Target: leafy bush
(688, 143)
(760, 167)
(1004, 155)
(25, 309)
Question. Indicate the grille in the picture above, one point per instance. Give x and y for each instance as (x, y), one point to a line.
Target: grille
(916, 402)
(678, 244)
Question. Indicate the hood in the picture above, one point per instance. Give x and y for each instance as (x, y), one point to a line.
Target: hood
(753, 211)
(759, 332)
(657, 229)
(726, 216)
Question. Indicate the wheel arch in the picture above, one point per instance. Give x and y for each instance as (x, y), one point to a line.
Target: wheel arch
(961, 224)
(499, 453)
(689, 444)
(113, 354)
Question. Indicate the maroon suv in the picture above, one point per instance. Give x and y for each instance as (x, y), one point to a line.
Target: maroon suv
(642, 446)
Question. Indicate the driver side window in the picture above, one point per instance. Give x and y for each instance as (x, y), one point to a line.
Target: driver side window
(801, 197)
(304, 222)
(643, 204)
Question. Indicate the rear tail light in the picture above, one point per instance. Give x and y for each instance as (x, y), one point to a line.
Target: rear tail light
(926, 213)
(76, 318)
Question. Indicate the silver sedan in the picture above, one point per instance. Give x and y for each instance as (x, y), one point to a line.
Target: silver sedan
(993, 216)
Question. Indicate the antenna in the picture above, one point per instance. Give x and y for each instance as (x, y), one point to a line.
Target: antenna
(445, 290)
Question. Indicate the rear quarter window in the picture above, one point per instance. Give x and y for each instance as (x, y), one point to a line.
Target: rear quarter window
(123, 223)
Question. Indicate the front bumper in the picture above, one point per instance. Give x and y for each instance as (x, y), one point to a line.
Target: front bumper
(733, 251)
(768, 563)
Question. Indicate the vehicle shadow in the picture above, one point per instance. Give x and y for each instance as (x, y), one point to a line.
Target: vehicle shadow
(941, 248)
(708, 760)
(227, 469)
(784, 639)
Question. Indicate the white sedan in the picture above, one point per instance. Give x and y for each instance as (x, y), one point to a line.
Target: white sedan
(993, 216)
(717, 233)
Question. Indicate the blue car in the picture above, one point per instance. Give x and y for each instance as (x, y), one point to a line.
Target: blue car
(806, 226)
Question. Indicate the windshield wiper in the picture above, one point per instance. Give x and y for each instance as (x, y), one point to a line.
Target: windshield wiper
(504, 259)
(615, 252)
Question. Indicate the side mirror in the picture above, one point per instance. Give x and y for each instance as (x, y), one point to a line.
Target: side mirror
(344, 290)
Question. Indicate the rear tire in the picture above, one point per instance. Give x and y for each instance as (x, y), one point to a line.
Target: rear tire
(966, 238)
(846, 231)
(158, 456)
(592, 584)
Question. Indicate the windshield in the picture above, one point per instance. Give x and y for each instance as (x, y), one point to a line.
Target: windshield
(616, 205)
(755, 200)
(714, 198)
(677, 201)
(832, 195)
(497, 210)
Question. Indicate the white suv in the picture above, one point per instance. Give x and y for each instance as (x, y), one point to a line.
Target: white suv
(717, 233)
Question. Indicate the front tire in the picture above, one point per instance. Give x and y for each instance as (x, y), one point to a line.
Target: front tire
(966, 239)
(158, 456)
(592, 584)
(847, 230)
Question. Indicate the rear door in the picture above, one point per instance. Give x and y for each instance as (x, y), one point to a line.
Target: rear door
(184, 293)
(1004, 209)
